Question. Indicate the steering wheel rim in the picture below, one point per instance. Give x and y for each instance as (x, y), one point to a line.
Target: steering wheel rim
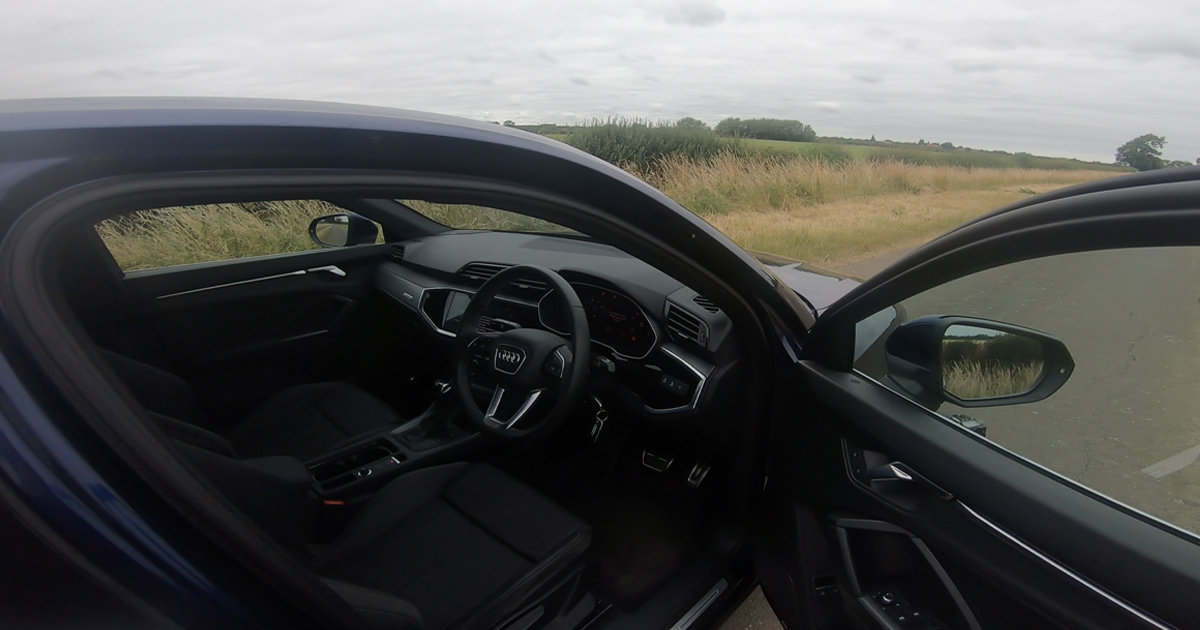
(524, 362)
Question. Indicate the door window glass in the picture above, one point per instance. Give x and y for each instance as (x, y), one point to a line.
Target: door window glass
(1127, 421)
(181, 235)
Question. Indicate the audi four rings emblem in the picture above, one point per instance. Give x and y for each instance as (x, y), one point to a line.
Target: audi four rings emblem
(509, 359)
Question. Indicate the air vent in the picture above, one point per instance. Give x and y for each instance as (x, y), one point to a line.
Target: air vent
(684, 326)
(481, 271)
(536, 286)
(396, 252)
(531, 290)
(706, 304)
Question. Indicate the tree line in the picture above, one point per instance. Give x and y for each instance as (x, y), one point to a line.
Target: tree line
(1145, 154)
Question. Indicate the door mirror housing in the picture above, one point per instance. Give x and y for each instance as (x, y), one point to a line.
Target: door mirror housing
(972, 362)
(342, 230)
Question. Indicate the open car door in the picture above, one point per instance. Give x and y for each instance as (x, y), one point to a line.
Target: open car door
(900, 495)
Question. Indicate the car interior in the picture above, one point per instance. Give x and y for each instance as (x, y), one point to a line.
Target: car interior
(452, 426)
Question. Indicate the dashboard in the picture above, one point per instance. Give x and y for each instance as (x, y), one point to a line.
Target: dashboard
(656, 339)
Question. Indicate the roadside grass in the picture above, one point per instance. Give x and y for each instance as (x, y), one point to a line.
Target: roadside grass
(835, 214)
(191, 234)
(971, 380)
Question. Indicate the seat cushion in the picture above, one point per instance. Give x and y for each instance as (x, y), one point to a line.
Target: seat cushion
(309, 420)
(460, 542)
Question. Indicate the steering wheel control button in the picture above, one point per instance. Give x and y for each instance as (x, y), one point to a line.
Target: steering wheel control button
(508, 359)
(556, 363)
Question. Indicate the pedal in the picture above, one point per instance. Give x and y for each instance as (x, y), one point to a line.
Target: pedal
(657, 463)
(696, 477)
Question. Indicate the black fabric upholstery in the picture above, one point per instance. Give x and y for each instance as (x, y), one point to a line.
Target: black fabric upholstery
(160, 391)
(274, 492)
(381, 611)
(193, 435)
(302, 422)
(309, 420)
(458, 542)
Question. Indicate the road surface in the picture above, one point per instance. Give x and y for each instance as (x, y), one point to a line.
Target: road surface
(1127, 422)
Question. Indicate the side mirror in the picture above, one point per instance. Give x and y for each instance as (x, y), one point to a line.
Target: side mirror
(973, 362)
(342, 230)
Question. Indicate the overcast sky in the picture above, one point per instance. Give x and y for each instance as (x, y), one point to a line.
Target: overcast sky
(1054, 78)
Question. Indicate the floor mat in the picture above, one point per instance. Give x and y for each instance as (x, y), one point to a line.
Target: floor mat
(637, 542)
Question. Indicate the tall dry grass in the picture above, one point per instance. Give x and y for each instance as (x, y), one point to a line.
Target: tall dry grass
(814, 210)
(470, 217)
(971, 380)
(191, 234)
(834, 214)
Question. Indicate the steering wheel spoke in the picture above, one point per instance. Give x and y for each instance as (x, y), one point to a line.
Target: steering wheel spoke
(490, 417)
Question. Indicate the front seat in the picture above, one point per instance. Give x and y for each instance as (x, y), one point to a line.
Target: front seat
(302, 422)
(454, 546)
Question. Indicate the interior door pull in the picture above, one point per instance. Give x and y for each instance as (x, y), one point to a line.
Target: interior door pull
(899, 471)
(333, 269)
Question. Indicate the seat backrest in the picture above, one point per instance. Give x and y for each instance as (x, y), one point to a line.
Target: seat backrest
(159, 391)
(274, 492)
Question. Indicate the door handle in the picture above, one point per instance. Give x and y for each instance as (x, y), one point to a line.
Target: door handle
(899, 471)
(333, 269)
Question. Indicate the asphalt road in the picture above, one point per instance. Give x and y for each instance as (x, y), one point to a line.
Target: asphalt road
(1127, 423)
(754, 614)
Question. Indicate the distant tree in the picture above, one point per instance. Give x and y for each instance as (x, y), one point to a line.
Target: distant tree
(509, 123)
(921, 142)
(947, 145)
(693, 124)
(766, 129)
(873, 139)
(1178, 164)
(1143, 152)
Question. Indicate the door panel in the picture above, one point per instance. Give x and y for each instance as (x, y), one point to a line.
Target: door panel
(991, 572)
(242, 329)
(939, 512)
(1051, 514)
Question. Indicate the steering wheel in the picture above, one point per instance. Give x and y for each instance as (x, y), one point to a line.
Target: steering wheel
(530, 366)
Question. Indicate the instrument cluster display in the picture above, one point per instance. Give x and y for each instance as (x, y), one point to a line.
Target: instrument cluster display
(614, 320)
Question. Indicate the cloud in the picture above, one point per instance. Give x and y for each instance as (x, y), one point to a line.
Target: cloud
(1188, 48)
(695, 13)
(1078, 78)
(973, 67)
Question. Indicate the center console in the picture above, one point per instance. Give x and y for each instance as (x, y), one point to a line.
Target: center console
(436, 436)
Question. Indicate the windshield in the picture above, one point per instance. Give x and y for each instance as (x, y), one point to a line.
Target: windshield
(459, 216)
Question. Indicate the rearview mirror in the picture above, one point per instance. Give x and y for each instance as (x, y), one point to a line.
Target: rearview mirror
(975, 362)
(342, 230)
